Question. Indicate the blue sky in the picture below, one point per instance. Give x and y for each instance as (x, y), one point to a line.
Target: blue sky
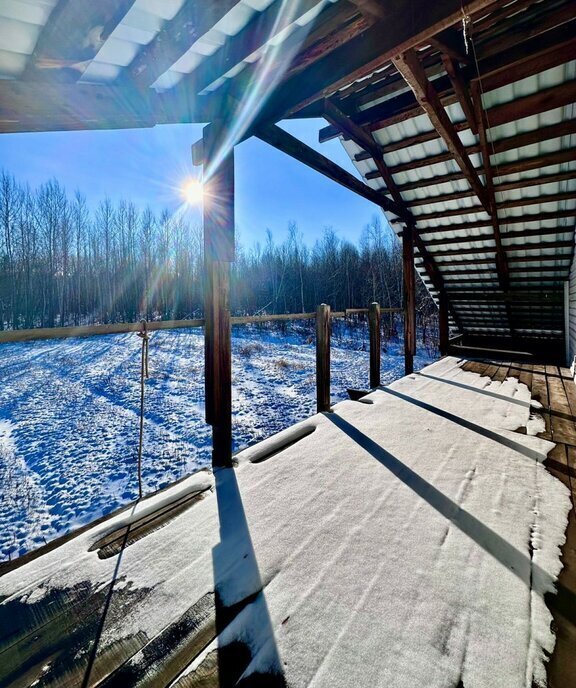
(148, 167)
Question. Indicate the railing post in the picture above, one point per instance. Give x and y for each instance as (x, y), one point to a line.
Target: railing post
(375, 344)
(409, 298)
(323, 328)
(443, 323)
(218, 254)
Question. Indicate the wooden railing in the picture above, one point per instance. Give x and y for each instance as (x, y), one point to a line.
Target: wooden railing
(323, 316)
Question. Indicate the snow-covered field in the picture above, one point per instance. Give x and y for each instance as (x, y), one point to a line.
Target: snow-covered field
(69, 415)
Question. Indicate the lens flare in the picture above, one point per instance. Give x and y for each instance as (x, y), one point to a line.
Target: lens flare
(193, 191)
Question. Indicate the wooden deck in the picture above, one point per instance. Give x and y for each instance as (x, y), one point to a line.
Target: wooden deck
(57, 640)
(554, 387)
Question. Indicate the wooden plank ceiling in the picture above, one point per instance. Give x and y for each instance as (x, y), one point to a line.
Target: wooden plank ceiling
(460, 117)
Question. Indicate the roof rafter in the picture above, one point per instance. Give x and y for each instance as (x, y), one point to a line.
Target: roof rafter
(409, 66)
(364, 140)
(461, 90)
(501, 262)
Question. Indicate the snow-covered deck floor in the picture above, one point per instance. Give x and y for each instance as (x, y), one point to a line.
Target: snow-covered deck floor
(405, 540)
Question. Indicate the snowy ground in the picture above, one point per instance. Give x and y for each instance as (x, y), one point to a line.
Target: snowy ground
(69, 415)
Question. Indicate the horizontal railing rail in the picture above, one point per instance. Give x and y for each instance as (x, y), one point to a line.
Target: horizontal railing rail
(41, 333)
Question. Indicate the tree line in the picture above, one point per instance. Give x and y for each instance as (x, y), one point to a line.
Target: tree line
(64, 264)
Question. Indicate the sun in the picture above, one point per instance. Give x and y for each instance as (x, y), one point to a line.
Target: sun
(193, 191)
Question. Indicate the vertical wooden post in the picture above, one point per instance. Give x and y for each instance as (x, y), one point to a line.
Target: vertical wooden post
(323, 328)
(409, 298)
(375, 344)
(218, 254)
(443, 323)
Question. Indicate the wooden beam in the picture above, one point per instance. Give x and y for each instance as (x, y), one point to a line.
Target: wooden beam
(490, 295)
(534, 181)
(388, 88)
(528, 62)
(513, 32)
(72, 37)
(30, 106)
(526, 247)
(404, 107)
(490, 260)
(411, 69)
(461, 90)
(513, 220)
(368, 52)
(450, 43)
(365, 140)
(280, 139)
(218, 254)
(174, 39)
(419, 163)
(537, 200)
(547, 160)
(501, 262)
(528, 138)
(444, 214)
(470, 239)
(409, 299)
(534, 104)
(498, 188)
(392, 111)
(482, 271)
(263, 27)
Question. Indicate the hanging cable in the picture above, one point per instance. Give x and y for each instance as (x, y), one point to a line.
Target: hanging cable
(143, 334)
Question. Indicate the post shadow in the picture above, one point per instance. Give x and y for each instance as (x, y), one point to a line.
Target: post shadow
(564, 601)
(237, 576)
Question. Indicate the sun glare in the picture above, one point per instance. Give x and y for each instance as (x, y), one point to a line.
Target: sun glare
(192, 191)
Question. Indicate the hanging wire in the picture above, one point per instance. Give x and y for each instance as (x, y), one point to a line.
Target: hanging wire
(143, 334)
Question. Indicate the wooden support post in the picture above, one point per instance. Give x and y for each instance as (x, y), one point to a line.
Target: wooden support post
(443, 323)
(323, 328)
(375, 344)
(409, 298)
(218, 254)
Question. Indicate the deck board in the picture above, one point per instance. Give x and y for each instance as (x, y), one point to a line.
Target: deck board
(554, 387)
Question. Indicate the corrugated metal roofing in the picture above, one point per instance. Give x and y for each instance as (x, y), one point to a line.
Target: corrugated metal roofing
(479, 234)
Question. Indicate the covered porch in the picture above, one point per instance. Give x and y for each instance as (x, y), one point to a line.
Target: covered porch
(414, 536)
